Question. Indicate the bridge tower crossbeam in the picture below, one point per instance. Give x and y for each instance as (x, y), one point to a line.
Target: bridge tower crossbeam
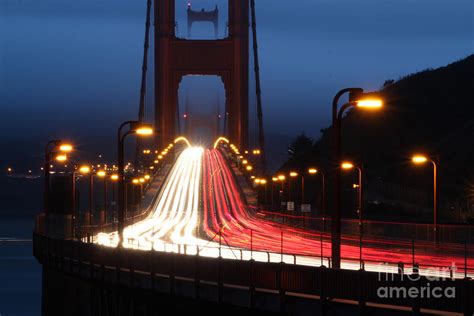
(227, 58)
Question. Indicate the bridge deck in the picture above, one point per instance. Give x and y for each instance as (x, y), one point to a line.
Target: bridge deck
(220, 280)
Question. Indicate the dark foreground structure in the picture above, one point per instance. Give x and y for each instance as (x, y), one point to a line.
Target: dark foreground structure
(88, 279)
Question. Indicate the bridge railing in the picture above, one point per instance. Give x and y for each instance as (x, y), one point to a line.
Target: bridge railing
(455, 234)
(153, 269)
(315, 250)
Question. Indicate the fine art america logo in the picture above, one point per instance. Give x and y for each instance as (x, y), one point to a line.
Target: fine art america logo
(421, 288)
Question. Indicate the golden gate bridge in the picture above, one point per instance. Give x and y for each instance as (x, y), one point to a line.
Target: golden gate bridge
(195, 231)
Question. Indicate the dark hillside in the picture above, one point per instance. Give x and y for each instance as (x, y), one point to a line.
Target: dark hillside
(431, 112)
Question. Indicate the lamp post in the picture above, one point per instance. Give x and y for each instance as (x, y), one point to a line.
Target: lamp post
(262, 182)
(313, 171)
(274, 181)
(103, 175)
(114, 178)
(358, 99)
(140, 129)
(292, 174)
(281, 178)
(86, 170)
(138, 182)
(360, 199)
(421, 159)
(256, 182)
(51, 146)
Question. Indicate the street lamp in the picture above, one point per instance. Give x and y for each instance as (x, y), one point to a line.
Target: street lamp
(114, 178)
(61, 158)
(281, 178)
(52, 146)
(86, 170)
(363, 101)
(422, 159)
(142, 130)
(313, 171)
(349, 166)
(272, 195)
(103, 175)
(262, 182)
(292, 174)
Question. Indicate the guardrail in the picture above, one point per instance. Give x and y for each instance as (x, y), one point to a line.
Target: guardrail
(447, 233)
(164, 271)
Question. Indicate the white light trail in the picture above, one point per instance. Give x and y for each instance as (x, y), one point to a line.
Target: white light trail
(174, 217)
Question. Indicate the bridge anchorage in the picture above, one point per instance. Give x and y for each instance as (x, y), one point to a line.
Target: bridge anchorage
(196, 233)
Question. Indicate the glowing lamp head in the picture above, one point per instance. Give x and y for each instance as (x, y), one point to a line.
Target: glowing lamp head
(65, 148)
(245, 162)
(419, 159)
(274, 179)
(147, 177)
(263, 181)
(347, 165)
(9, 169)
(135, 181)
(369, 104)
(281, 177)
(101, 173)
(293, 174)
(114, 177)
(141, 180)
(257, 181)
(249, 168)
(85, 169)
(61, 158)
(142, 129)
(312, 170)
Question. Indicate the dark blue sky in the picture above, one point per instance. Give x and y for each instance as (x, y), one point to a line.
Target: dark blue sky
(72, 67)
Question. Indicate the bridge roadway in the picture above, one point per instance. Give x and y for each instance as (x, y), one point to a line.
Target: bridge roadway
(201, 209)
(200, 238)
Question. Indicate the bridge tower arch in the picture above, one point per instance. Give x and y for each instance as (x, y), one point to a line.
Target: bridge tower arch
(227, 58)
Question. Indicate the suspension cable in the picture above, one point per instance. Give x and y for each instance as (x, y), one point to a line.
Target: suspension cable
(141, 110)
(261, 135)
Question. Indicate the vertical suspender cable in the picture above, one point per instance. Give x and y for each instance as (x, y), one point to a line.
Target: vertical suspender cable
(141, 110)
(261, 135)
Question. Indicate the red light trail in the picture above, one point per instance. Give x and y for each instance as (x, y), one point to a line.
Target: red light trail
(225, 210)
(229, 226)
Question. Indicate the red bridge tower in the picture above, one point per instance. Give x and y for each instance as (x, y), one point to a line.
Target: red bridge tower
(227, 58)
